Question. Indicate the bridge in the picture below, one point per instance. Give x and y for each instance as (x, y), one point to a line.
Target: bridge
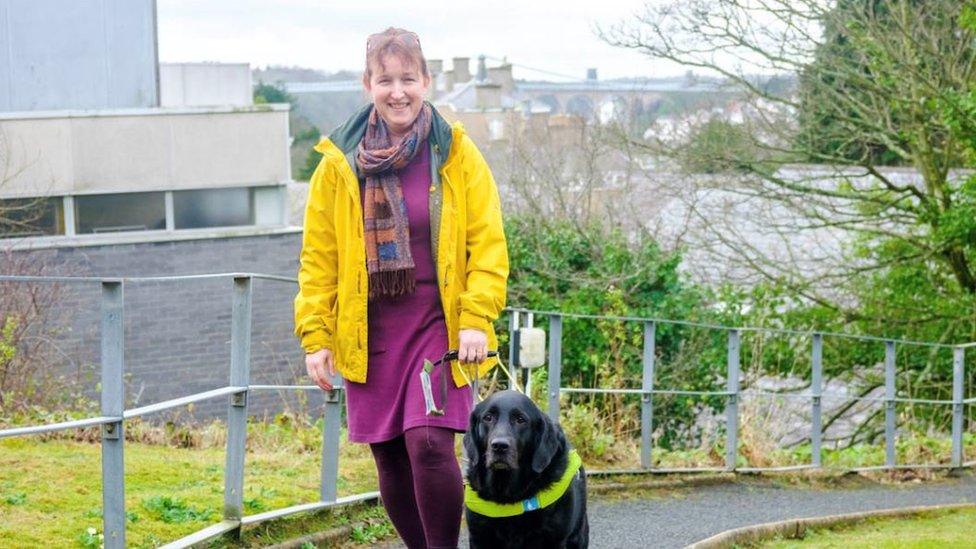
(617, 524)
(630, 95)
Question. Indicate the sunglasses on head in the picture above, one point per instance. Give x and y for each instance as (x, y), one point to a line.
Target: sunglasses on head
(373, 37)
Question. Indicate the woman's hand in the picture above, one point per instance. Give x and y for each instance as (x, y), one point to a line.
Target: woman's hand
(472, 346)
(318, 364)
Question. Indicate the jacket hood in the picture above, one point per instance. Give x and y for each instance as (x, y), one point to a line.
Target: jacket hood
(347, 136)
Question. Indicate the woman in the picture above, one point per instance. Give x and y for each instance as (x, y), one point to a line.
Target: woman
(403, 258)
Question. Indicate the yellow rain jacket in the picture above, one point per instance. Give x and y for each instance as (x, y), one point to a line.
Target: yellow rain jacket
(467, 240)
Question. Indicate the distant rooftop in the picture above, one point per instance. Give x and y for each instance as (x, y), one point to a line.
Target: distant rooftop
(465, 96)
(324, 87)
(676, 84)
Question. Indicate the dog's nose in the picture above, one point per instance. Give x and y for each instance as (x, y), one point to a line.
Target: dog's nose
(499, 445)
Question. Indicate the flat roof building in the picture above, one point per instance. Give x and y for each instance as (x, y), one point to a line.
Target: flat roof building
(112, 165)
(99, 143)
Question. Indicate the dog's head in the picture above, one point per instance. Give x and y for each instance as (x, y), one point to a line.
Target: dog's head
(509, 437)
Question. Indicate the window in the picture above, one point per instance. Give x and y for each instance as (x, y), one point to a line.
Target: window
(268, 205)
(496, 129)
(212, 208)
(107, 213)
(145, 211)
(31, 217)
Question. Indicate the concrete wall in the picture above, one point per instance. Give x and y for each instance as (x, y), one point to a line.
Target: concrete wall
(178, 333)
(77, 54)
(205, 84)
(142, 150)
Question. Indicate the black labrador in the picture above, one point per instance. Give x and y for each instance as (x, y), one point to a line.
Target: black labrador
(514, 451)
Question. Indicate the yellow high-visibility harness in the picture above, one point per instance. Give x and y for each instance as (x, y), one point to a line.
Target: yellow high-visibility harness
(541, 500)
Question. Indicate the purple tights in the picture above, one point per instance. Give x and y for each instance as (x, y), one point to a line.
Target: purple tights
(420, 484)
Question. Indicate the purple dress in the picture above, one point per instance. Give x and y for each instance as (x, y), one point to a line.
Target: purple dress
(403, 332)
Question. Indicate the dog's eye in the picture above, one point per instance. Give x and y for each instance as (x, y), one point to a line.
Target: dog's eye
(487, 418)
(519, 419)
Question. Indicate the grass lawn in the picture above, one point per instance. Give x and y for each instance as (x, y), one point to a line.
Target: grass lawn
(50, 491)
(50, 485)
(943, 529)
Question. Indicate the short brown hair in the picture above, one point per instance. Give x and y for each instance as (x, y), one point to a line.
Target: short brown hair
(393, 41)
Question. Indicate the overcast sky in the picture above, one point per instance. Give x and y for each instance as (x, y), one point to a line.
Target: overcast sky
(546, 34)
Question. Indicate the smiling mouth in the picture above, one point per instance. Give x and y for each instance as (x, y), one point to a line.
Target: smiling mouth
(399, 107)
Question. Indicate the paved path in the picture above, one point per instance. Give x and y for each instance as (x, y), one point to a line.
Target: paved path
(688, 515)
(695, 514)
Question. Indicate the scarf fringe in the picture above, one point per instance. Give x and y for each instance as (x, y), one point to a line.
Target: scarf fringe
(392, 283)
(385, 204)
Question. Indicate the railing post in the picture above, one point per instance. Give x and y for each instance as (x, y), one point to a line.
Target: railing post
(240, 366)
(513, 345)
(732, 408)
(113, 405)
(555, 364)
(816, 390)
(328, 490)
(890, 418)
(647, 398)
(958, 370)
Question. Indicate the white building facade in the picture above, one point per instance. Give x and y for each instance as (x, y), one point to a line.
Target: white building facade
(99, 143)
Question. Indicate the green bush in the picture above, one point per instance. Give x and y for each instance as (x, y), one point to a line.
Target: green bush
(587, 432)
(719, 146)
(593, 269)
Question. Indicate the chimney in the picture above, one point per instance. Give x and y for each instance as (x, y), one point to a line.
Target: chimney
(437, 77)
(482, 71)
(502, 75)
(487, 95)
(462, 72)
(591, 75)
(435, 66)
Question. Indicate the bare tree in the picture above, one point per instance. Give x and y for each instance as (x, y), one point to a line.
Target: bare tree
(20, 216)
(32, 362)
(568, 169)
(880, 75)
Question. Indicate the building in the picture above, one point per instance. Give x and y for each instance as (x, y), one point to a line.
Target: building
(106, 174)
(112, 165)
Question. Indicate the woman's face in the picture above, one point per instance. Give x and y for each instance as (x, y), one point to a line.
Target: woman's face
(397, 90)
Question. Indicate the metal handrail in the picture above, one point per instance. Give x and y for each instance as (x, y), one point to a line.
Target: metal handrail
(542, 312)
(59, 426)
(146, 410)
(168, 278)
(693, 324)
(214, 393)
(181, 401)
(113, 415)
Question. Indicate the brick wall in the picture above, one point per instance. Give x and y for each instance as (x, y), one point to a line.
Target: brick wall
(177, 334)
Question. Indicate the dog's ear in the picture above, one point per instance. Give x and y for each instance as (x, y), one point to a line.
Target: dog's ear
(472, 440)
(547, 445)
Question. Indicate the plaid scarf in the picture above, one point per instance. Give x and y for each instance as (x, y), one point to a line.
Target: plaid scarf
(385, 224)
